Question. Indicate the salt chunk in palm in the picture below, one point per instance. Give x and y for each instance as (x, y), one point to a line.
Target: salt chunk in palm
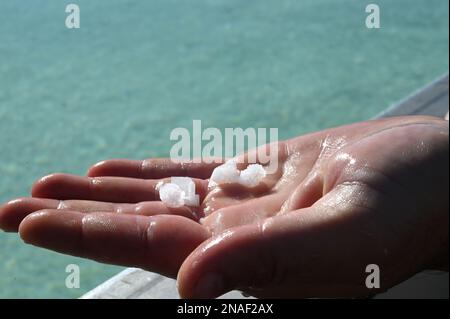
(228, 174)
(179, 192)
(188, 187)
(172, 195)
(186, 184)
(225, 174)
(252, 175)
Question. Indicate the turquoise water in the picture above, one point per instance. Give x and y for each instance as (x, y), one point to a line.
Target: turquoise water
(137, 69)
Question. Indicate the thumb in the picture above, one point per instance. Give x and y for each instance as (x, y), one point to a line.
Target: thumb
(319, 251)
(236, 258)
(284, 256)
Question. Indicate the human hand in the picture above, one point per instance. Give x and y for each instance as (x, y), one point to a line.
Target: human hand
(368, 193)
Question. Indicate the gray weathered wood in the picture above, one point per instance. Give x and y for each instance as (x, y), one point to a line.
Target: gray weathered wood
(430, 100)
(134, 283)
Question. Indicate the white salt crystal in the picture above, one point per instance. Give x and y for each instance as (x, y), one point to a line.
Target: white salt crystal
(192, 201)
(171, 195)
(252, 175)
(228, 173)
(188, 187)
(179, 192)
(186, 184)
(225, 174)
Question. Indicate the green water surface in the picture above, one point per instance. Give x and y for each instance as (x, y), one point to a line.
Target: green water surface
(135, 70)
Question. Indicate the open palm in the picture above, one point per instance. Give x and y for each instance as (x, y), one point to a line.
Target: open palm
(368, 193)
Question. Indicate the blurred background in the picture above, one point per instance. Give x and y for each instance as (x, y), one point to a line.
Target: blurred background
(135, 70)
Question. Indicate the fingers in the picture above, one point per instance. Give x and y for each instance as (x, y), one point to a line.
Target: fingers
(13, 212)
(153, 168)
(157, 243)
(87, 194)
(107, 189)
(110, 189)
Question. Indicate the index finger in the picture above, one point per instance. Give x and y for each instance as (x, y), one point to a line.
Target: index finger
(154, 168)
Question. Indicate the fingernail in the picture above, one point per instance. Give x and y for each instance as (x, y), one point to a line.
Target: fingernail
(209, 286)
